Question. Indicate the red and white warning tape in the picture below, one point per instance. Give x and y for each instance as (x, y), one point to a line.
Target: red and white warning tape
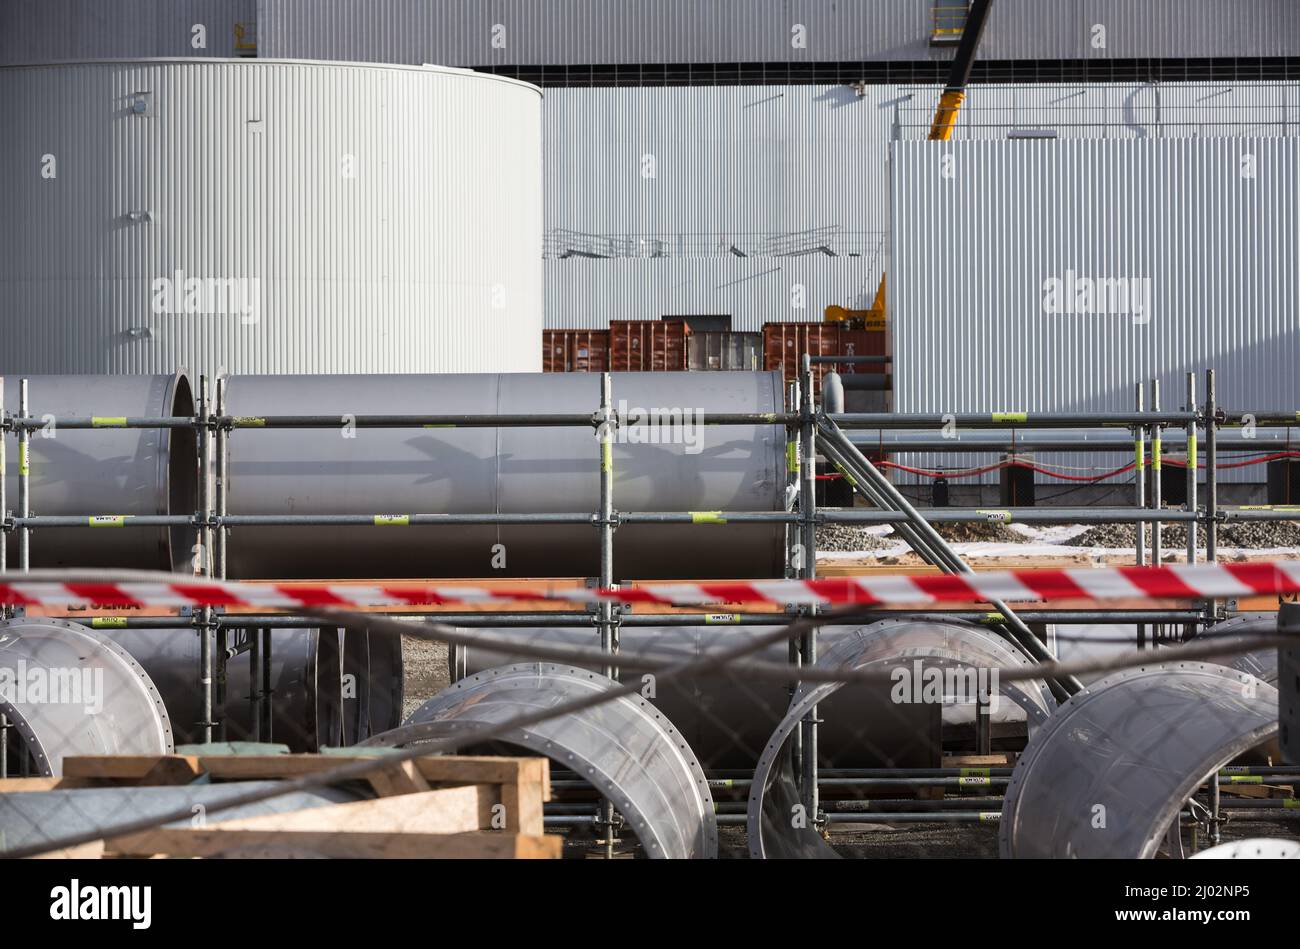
(1177, 581)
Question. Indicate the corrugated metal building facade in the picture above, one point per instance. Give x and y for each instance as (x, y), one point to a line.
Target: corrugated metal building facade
(563, 32)
(268, 217)
(1209, 229)
(42, 31)
(771, 203)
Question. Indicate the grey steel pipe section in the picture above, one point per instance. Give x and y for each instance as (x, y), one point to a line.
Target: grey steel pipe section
(633, 757)
(833, 393)
(727, 720)
(94, 698)
(105, 468)
(1107, 775)
(1261, 663)
(487, 419)
(1253, 848)
(724, 719)
(328, 687)
(351, 470)
(38, 817)
(773, 827)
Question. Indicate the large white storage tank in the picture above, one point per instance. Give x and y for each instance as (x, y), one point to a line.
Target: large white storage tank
(268, 216)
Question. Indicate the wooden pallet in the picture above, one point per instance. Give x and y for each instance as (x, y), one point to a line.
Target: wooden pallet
(435, 806)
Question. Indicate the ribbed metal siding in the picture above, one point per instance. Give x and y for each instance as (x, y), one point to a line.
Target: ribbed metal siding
(971, 253)
(1063, 29)
(555, 32)
(1112, 111)
(725, 159)
(429, 259)
(40, 31)
(572, 32)
(732, 161)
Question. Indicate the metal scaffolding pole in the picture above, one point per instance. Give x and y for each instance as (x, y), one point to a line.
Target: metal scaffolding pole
(808, 508)
(4, 490)
(24, 481)
(1211, 485)
(1157, 632)
(4, 559)
(797, 559)
(255, 681)
(1140, 486)
(1192, 504)
(606, 422)
(221, 441)
(205, 624)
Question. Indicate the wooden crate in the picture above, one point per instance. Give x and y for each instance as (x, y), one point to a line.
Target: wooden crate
(434, 806)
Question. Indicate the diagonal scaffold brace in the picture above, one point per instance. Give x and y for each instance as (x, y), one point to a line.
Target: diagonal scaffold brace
(867, 480)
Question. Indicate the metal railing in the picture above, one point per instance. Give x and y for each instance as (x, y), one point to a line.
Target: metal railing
(811, 433)
(983, 117)
(830, 241)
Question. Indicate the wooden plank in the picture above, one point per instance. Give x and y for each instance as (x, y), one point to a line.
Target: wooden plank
(401, 778)
(444, 811)
(213, 842)
(411, 776)
(19, 785)
(266, 767)
(435, 769)
(440, 769)
(523, 807)
(91, 851)
(151, 769)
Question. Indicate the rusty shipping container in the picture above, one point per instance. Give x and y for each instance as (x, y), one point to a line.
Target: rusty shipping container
(868, 342)
(785, 343)
(722, 349)
(648, 345)
(575, 350)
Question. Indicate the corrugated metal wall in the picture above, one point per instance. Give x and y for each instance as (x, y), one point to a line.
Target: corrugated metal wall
(690, 177)
(978, 227)
(379, 219)
(41, 31)
(572, 32)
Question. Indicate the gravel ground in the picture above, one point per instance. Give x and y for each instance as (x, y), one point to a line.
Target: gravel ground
(849, 538)
(1247, 534)
(424, 672)
(979, 533)
(846, 537)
